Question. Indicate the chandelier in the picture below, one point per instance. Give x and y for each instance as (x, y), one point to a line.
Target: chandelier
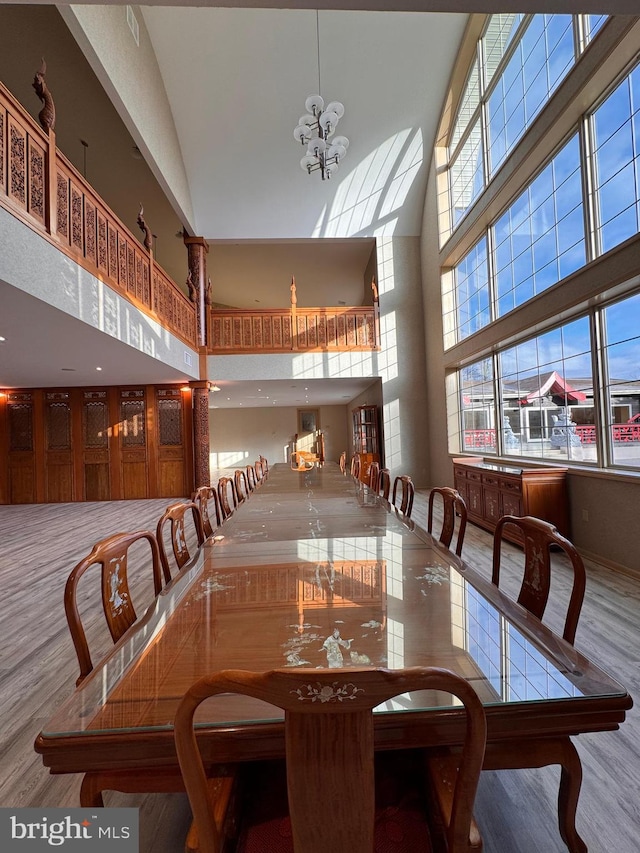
(316, 130)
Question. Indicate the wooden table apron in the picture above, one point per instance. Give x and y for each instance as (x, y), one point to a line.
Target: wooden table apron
(306, 548)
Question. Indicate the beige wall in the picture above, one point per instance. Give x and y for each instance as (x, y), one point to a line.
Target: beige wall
(401, 361)
(239, 436)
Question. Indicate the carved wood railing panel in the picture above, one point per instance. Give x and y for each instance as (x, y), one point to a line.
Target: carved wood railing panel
(270, 330)
(43, 189)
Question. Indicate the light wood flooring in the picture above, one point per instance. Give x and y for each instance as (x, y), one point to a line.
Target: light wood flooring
(516, 809)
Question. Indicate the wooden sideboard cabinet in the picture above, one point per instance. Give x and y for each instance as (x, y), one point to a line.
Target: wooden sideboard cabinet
(491, 491)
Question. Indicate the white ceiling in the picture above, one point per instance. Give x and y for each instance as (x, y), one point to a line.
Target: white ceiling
(237, 80)
(287, 392)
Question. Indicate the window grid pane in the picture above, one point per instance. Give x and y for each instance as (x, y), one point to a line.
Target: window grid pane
(472, 291)
(616, 132)
(540, 238)
(477, 405)
(546, 396)
(541, 60)
(468, 105)
(622, 353)
(467, 174)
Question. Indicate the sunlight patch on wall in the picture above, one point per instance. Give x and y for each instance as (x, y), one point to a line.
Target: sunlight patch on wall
(325, 365)
(388, 355)
(229, 459)
(376, 187)
(392, 441)
(384, 256)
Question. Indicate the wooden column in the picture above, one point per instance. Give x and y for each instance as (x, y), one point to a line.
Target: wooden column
(201, 433)
(198, 248)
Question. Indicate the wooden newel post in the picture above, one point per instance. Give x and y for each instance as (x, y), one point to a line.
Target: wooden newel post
(202, 471)
(197, 247)
(294, 316)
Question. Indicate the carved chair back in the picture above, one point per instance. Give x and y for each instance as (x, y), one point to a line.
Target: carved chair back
(241, 486)
(265, 466)
(251, 477)
(374, 476)
(384, 483)
(407, 491)
(453, 506)
(329, 743)
(259, 471)
(539, 537)
(173, 519)
(206, 499)
(355, 466)
(226, 496)
(111, 554)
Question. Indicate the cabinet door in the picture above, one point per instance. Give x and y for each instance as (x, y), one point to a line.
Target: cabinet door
(492, 504)
(511, 497)
(474, 504)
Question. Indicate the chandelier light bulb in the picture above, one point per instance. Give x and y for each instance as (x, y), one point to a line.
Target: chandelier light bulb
(341, 140)
(328, 120)
(317, 146)
(309, 162)
(302, 133)
(314, 104)
(336, 107)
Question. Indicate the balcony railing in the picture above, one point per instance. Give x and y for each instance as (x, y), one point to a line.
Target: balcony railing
(41, 187)
(273, 330)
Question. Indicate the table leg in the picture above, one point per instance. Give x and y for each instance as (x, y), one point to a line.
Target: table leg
(570, 782)
(541, 753)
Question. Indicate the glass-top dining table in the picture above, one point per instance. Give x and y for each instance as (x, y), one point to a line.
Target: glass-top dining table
(315, 571)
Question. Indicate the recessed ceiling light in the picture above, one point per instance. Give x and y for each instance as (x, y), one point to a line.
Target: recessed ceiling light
(98, 368)
(2, 340)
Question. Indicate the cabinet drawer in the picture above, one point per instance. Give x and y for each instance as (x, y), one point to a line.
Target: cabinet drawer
(491, 480)
(512, 486)
(460, 473)
(476, 476)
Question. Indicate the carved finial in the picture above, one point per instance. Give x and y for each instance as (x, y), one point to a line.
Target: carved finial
(47, 115)
(191, 287)
(374, 288)
(148, 239)
(294, 298)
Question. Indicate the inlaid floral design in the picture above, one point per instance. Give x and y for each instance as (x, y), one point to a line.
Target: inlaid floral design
(327, 693)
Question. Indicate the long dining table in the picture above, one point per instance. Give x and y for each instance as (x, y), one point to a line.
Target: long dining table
(315, 571)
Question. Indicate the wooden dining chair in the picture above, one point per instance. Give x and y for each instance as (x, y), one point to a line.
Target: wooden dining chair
(407, 491)
(331, 780)
(374, 476)
(226, 496)
(538, 538)
(111, 555)
(384, 483)
(241, 486)
(265, 466)
(206, 499)
(355, 466)
(251, 477)
(259, 471)
(453, 506)
(173, 519)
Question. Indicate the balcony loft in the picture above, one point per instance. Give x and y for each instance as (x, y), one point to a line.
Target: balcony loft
(40, 187)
